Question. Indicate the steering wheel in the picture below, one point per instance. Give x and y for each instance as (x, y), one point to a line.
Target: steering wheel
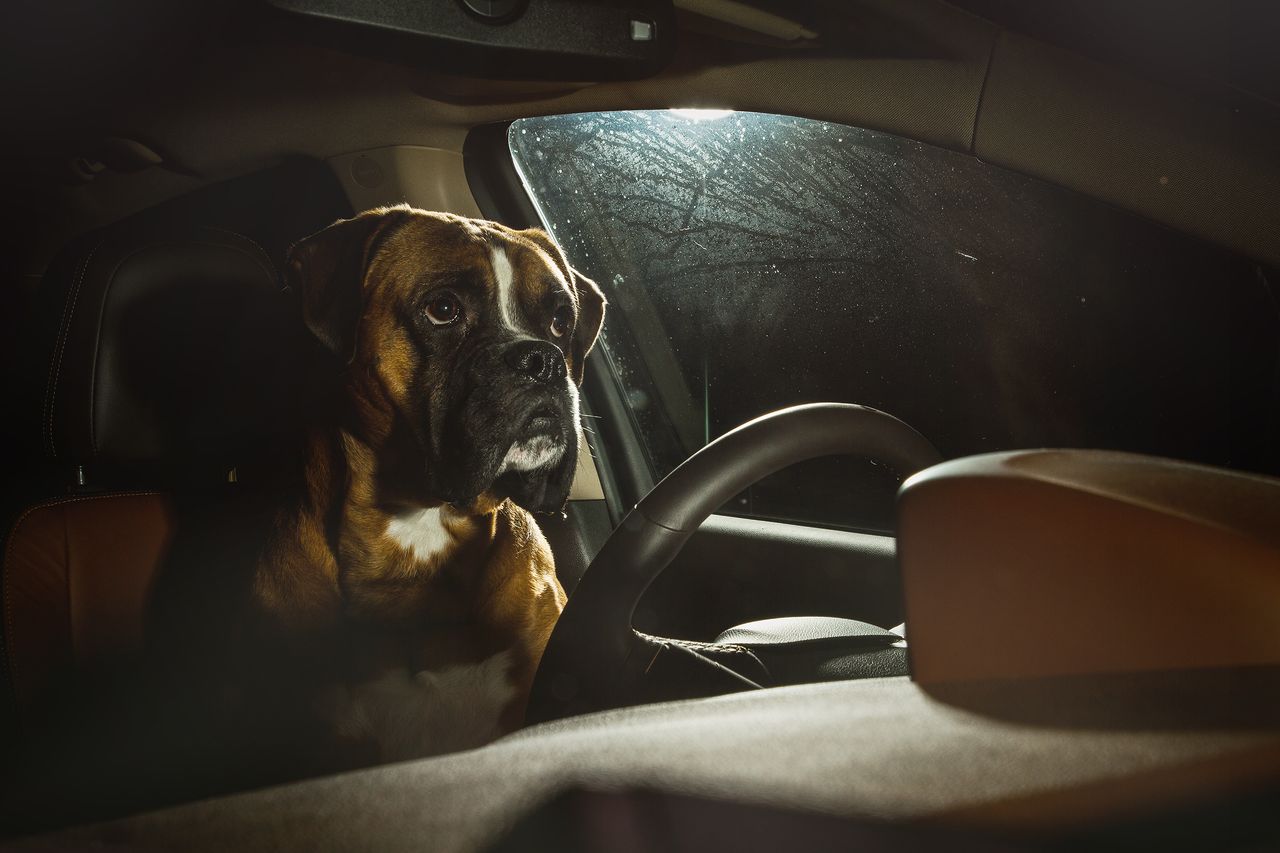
(595, 659)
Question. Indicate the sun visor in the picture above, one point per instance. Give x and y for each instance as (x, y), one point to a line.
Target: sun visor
(1045, 563)
(566, 40)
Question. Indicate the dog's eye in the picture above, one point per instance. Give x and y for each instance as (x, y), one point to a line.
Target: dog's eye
(444, 309)
(562, 321)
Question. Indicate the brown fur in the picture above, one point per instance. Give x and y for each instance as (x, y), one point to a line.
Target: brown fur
(330, 571)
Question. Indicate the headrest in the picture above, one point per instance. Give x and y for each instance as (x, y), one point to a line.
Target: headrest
(161, 345)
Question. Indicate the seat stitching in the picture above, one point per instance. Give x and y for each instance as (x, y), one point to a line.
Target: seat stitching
(10, 645)
(265, 255)
(55, 364)
(269, 267)
(46, 416)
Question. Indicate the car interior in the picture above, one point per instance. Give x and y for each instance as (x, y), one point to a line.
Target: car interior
(898, 548)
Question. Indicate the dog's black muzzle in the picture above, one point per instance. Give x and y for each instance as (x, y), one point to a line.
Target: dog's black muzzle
(513, 394)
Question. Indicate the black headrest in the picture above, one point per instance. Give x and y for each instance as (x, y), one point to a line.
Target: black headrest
(162, 345)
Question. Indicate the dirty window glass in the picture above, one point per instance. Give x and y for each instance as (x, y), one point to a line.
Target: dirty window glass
(757, 261)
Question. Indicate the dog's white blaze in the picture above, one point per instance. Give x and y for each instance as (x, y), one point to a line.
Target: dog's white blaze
(508, 305)
(532, 454)
(421, 532)
(430, 713)
(575, 410)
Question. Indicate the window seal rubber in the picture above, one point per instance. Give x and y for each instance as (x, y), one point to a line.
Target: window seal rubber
(625, 471)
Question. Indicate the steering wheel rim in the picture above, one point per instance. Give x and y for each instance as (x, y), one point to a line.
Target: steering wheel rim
(594, 653)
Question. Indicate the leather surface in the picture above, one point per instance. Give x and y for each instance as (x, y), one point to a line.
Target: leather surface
(805, 649)
(798, 630)
(76, 576)
(872, 663)
(158, 344)
(1070, 562)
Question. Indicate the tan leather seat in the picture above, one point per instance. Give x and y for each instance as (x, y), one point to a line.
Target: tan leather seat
(162, 353)
(77, 576)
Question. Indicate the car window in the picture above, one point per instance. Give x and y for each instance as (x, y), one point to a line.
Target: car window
(756, 261)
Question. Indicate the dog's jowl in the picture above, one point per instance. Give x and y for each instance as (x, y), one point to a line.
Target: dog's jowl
(408, 589)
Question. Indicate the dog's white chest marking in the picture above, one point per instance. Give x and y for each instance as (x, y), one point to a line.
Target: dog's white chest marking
(428, 713)
(421, 532)
(508, 304)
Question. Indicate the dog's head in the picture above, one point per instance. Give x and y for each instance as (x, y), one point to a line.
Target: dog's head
(463, 342)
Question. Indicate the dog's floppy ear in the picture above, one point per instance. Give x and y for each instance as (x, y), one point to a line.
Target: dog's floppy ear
(327, 271)
(591, 303)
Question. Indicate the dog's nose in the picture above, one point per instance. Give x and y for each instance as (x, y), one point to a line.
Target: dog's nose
(538, 360)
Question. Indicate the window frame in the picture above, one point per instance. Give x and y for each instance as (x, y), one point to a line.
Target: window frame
(623, 462)
(625, 440)
(626, 474)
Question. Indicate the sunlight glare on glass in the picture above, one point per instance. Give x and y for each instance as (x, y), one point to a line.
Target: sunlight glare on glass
(701, 115)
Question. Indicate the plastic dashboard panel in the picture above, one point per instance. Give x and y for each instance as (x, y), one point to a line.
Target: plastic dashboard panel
(543, 40)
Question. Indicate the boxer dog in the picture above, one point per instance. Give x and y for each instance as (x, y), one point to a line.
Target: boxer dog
(408, 584)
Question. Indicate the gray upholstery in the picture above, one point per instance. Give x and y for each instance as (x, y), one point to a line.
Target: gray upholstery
(879, 748)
